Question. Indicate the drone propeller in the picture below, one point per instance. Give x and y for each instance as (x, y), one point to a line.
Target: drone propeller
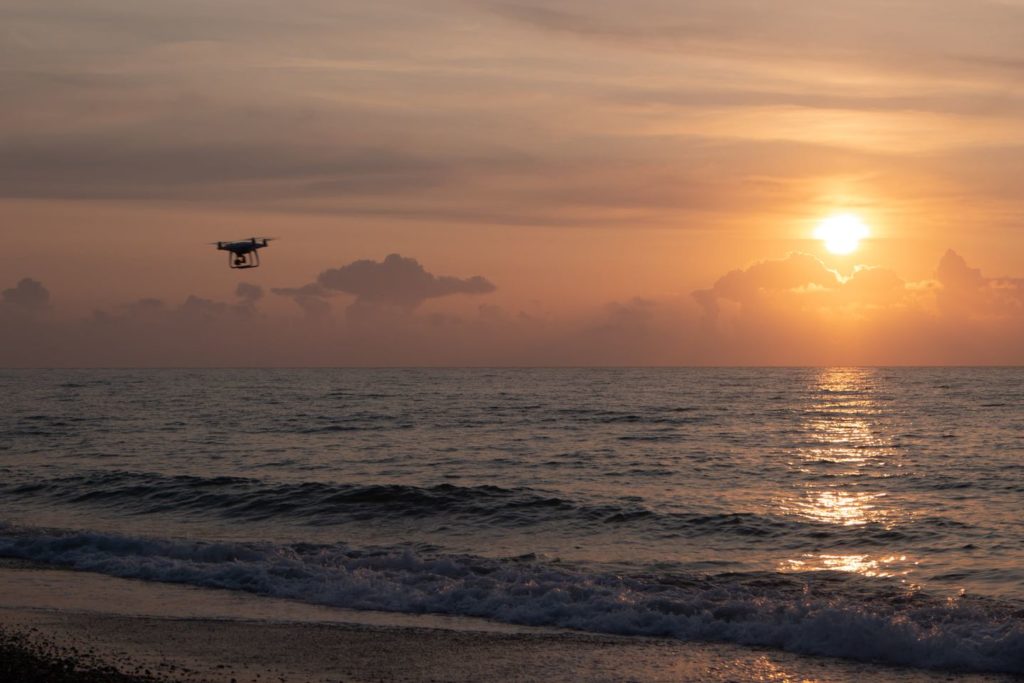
(247, 239)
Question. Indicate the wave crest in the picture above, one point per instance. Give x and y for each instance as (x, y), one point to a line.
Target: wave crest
(797, 615)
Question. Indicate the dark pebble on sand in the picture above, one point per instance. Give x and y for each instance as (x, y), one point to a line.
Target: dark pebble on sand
(29, 660)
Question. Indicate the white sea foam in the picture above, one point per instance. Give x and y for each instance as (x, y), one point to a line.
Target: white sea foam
(904, 629)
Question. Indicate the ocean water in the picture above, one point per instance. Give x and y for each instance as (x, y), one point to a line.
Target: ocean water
(875, 514)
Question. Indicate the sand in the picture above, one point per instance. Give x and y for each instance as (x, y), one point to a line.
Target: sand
(164, 632)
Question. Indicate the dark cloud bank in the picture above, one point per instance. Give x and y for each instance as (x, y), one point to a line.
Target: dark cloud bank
(789, 311)
(396, 281)
(28, 296)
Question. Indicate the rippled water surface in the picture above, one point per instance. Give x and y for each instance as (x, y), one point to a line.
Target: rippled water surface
(783, 507)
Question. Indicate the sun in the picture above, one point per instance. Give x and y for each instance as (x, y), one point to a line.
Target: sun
(841, 232)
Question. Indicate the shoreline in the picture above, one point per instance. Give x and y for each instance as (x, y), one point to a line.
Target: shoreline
(135, 632)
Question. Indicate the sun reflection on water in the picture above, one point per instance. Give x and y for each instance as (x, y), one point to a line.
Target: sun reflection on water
(845, 508)
(845, 452)
(887, 566)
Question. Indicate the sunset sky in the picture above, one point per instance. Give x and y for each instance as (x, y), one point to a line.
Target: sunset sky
(569, 182)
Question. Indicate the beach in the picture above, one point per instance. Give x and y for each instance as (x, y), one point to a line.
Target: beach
(135, 631)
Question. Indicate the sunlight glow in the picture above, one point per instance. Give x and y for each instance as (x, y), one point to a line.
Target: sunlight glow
(841, 233)
(846, 439)
(865, 565)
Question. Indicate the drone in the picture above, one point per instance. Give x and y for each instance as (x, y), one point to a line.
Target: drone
(244, 254)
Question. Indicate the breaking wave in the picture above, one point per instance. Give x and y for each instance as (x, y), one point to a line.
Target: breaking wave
(808, 615)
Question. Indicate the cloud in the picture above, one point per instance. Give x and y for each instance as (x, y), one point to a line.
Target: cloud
(144, 308)
(310, 298)
(706, 97)
(954, 273)
(28, 295)
(801, 285)
(795, 272)
(966, 292)
(396, 281)
(94, 165)
(796, 310)
(634, 333)
(873, 286)
(399, 281)
(313, 306)
(249, 293)
(313, 289)
(802, 281)
(793, 310)
(864, 33)
(192, 104)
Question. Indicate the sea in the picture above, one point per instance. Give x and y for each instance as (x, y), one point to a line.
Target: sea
(875, 514)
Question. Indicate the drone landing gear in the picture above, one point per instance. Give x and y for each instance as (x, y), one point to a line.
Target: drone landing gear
(249, 259)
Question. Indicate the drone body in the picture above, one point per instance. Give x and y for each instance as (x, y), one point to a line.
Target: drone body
(244, 254)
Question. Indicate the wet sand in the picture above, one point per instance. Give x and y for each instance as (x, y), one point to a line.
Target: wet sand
(174, 633)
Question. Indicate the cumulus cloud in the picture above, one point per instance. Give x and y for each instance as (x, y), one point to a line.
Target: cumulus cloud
(796, 310)
(801, 281)
(310, 298)
(744, 286)
(28, 295)
(399, 281)
(873, 286)
(966, 292)
(396, 281)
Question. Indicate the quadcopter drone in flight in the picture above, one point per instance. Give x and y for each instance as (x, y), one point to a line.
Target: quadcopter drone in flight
(244, 254)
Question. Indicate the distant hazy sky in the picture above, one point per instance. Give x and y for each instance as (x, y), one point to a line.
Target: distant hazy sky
(566, 182)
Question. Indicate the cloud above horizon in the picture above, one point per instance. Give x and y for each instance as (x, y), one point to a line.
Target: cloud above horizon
(790, 311)
(967, 293)
(28, 295)
(248, 292)
(396, 281)
(803, 281)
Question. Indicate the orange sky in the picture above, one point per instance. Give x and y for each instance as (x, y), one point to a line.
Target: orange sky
(597, 162)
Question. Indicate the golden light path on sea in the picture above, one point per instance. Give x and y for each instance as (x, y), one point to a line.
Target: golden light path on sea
(845, 438)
